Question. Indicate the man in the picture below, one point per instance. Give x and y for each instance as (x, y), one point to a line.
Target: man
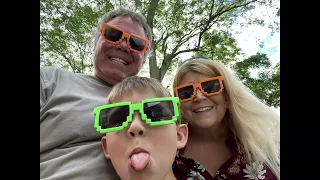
(70, 147)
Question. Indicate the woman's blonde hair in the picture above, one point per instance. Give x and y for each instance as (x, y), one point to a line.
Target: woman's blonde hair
(255, 124)
(132, 83)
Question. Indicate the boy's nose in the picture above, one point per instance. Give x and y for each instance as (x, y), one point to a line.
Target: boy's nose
(137, 126)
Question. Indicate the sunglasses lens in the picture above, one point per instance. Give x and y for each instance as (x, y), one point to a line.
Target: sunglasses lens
(137, 43)
(113, 117)
(211, 86)
(112, 34)
(185, 92)
(159, 111)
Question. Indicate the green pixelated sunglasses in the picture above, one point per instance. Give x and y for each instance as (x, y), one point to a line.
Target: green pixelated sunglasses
(154, 111)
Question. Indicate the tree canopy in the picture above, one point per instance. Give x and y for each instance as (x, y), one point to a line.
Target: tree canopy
(200, 27)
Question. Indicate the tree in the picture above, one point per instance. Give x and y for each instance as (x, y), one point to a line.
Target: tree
(200, 27)
(178, 27)
(66, 32)
(219, 45)
(267, 85)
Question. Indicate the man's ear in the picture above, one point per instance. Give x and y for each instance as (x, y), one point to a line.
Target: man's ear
(182, 134)
(105, 147)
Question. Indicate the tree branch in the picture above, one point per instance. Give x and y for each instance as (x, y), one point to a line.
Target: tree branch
(164, 44)
(151, 12)
(184, 39)
(187, 50)
(236, 6)
(206, 26)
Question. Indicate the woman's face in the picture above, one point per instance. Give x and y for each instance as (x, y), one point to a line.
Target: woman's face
(202, 111)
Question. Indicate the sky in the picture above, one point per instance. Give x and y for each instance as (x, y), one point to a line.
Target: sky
(260, 38)
(251, 38)
(255, 38)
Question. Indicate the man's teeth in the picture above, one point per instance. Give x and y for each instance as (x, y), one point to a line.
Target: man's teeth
(203, 109)
(119, 61)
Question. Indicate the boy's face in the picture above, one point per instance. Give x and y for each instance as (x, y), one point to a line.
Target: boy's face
(141, 151)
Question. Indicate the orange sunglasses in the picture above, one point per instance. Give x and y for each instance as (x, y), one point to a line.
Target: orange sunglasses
(208, 87)
(114, 35)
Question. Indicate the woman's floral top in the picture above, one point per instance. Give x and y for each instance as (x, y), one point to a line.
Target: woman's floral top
(235, 168)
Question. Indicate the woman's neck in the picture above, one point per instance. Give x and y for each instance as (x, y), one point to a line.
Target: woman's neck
(213, 134)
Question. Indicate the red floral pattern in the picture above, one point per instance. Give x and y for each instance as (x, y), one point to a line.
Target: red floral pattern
(235, 168)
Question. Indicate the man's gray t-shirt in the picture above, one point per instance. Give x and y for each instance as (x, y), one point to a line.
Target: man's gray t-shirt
(70, 147)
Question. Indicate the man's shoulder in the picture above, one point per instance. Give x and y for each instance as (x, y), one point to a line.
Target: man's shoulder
(55, 74)
(52, 70)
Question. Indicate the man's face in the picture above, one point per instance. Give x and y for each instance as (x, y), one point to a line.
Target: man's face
(113, 63)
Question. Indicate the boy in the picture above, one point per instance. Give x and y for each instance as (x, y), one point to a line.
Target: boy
(143, 131)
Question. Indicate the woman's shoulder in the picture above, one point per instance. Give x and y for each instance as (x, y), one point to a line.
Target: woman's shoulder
(236, 167)
(186, 168)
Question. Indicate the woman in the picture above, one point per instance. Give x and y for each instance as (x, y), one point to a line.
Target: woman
(232, 134)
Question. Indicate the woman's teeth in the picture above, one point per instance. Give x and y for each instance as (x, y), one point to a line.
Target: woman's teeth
(203, 109)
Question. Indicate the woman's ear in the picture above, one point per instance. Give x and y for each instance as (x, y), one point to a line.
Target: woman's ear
(105, 147)
(182, 134)
(226, 98)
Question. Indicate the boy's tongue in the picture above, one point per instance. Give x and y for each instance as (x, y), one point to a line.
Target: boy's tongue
(139, 161)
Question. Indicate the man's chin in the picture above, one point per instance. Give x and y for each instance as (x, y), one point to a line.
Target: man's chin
(115, 78)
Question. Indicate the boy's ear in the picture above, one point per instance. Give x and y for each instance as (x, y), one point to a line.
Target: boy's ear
(104, 147)
(182, 134)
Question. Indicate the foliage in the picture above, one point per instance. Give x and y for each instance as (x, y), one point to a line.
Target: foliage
(199, 27)
(267, 85)
(66, 31)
